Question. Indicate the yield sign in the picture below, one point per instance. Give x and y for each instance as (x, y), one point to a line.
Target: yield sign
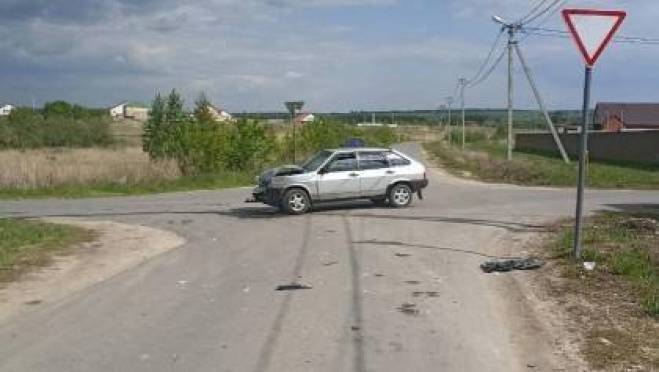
(593, 30)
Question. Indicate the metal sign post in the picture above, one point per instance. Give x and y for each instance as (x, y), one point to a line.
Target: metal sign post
(583, 155)
(294, 107)
(592, 31)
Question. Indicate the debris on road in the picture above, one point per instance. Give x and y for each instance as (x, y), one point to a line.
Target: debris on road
(510, 265)
(589, 266)
(293, 287)
(408, 308)
(403, 255)
(33, 302)
(412, 282)
(330, 263)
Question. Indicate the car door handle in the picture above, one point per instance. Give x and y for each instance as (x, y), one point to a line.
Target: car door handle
(390, 172)
(354, 175)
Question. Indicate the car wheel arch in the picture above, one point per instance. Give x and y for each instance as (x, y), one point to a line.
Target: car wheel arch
(398, 182)
(297, 187)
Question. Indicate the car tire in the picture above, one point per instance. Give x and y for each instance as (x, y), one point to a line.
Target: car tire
(400, 195)
(295, 202)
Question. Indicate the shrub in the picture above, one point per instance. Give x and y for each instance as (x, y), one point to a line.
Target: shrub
(25, 129)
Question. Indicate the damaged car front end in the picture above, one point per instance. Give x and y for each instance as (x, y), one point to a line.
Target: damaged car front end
(270, 186)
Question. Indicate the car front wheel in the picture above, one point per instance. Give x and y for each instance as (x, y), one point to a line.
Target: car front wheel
(400, 195)
(296, 201)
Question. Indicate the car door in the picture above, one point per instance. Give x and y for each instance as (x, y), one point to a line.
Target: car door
(374, 169)
(340, 178)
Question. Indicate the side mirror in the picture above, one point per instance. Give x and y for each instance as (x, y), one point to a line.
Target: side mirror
(322, 171)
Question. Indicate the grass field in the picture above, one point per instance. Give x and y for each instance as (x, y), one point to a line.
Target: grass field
(617, 304)
(28, 244)
(98, 172)
(486, 160)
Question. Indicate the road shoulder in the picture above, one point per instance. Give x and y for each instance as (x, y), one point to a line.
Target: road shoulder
(118, 248)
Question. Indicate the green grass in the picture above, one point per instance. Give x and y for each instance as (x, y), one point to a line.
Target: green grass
(205, 182)
(623, 249)
(486, 160)
(26, 244)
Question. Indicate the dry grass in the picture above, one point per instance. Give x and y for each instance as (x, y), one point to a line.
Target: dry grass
(37, 169)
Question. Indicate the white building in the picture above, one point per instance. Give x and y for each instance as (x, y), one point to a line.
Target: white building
(305, 118)
(119, 111)
(219, 115)
(126, 110)
(6, 110)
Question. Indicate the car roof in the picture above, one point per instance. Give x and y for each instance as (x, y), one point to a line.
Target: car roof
(360, 149)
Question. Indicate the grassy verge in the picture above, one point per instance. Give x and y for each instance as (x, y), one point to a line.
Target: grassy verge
(486, 160)
(28, 244)
(206, 182)
(617, 304)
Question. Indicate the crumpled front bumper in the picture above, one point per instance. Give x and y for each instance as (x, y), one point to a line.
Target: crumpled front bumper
(266, 195)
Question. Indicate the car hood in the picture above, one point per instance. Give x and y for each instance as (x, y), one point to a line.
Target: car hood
(285, 170)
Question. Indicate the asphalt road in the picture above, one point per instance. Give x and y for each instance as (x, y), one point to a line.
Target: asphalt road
(211, 305)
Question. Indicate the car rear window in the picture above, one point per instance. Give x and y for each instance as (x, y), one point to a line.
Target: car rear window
(396, 160)
(372, 160)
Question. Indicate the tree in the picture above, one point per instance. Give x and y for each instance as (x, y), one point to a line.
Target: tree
(153, 136)
(202, 111)
(57, 108)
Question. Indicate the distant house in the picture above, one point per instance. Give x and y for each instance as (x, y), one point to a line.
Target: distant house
(219, 115)
(304, 118)
(128, 110)
(5, 110)
(616, 117)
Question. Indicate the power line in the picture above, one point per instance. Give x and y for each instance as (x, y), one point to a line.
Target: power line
(487, 59)
(543, 12)
(548, 32)
(551, 14)
(490, 70)
(531, 13)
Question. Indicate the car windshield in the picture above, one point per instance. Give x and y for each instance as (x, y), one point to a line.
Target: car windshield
(316, 161)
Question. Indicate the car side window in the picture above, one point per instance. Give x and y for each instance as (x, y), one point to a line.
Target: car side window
(343, 163)
(372, 160)
(396, 160)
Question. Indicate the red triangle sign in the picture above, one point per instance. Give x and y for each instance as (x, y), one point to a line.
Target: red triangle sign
(593, 30)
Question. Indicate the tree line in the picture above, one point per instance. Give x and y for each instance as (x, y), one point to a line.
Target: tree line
(200, 144)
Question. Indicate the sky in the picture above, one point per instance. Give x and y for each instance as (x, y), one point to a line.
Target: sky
(336, 55)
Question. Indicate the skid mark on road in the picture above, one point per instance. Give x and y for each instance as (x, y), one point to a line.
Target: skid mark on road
(359, 362)
(422, 246)
(266, 354)
(516, 227)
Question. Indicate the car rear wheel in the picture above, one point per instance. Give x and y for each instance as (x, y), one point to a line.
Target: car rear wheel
(400, 195)
(296, 201)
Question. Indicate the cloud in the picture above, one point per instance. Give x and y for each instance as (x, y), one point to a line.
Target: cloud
(253, 54)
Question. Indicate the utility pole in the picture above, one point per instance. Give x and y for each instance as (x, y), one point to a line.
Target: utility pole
(511, 45)
(463, 85)
(449, 101)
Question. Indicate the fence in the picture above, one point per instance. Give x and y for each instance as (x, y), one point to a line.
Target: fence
(638, 146)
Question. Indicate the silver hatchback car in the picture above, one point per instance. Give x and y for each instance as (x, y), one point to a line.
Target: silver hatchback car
(381, 175)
